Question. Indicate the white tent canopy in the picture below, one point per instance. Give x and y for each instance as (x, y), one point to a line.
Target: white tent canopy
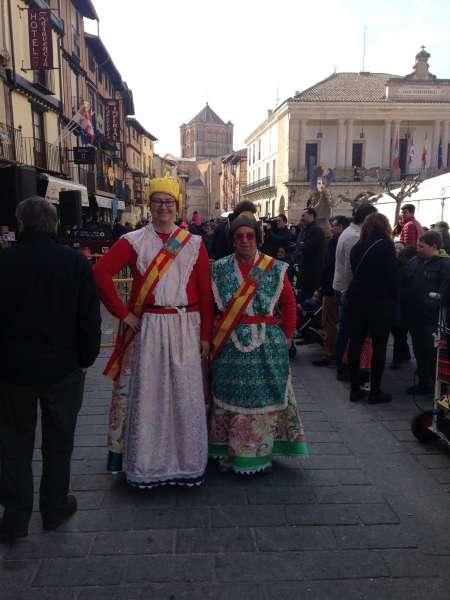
(432, 201)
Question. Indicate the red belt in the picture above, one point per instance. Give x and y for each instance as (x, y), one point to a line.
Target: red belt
(162, 310)
(257, 320)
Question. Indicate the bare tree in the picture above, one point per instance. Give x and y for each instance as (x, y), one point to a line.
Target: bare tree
(408, 186)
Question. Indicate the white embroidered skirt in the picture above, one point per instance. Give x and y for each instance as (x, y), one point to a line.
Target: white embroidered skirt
(166, 432)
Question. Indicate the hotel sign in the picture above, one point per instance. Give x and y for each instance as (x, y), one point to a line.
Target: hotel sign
(112, 120)
(40, 39)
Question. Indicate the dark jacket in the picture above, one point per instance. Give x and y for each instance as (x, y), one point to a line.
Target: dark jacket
(419, 279)
(49, 312)
(222, 245)
(277, 238)
(375, 281)
(328, 268)
(311, 245)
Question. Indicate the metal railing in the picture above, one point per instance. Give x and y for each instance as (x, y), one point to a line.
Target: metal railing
(28, 151)
(257, 185)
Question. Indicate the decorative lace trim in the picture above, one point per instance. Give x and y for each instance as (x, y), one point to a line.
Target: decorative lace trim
(194, 243)
(251, 411)
(277, 294)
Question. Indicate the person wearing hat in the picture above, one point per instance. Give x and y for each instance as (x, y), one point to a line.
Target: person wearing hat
(158, 432)
(253, 414)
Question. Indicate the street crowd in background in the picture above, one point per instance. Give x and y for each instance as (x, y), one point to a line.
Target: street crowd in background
(201, 365)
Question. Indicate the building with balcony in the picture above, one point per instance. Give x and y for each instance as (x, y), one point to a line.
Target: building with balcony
(356, 124)
(233, 179)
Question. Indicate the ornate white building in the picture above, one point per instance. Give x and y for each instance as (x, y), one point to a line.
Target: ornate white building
(355, 124)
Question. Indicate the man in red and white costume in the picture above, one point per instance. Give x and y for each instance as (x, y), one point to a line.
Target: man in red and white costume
(158, 429)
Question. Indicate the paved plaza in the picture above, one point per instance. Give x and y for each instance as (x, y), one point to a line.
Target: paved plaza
(365, 517)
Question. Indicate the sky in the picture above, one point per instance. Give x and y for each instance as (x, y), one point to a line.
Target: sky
(245, 56)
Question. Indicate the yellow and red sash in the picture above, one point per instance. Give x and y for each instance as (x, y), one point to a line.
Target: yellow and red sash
(239, 302)
(153, 275)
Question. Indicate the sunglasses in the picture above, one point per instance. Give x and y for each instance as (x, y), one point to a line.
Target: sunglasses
(166, 203)
(241, 237)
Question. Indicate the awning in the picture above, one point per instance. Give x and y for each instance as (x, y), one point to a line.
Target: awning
(103, 201)
(56, 185)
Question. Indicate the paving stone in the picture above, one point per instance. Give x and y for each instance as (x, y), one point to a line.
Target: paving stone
(259, 567)
(376, 536)
(247, 516)
(99, 520)
(60, 572)
(88, 467)
(377, 514)
(89, 453)
(280, 539)
(322, 515)
(442, 475)
(158, 541)
(123, 495)
(50, 545)
(344, 564)
(92, 482)
(91, 420)
(82, 441)
(326, 448)
(112, 593)
(281, 495)
(42, 594)
(211, 496)
(414, 563)
(170, 568)
(17, 573)
(194, 541)
(439, 461)
(324, 436)
(331, 462)
(223, 591)
(171, 518)
(348, 494)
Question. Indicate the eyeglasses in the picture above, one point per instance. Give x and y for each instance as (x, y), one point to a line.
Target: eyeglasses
(166, 203)
(241, 237)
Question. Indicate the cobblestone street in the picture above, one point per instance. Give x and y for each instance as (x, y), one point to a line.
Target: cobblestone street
(365, 517)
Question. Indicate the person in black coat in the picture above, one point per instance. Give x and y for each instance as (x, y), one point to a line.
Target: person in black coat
(311, 246)
(278, 236)
(49, 335)
(371, 298)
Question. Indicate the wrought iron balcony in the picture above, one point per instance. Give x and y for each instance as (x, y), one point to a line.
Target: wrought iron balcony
(257, 185)
(28, 151)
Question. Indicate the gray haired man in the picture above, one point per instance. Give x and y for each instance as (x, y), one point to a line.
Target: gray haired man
(49, 336)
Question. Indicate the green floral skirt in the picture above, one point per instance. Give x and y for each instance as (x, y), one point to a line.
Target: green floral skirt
(246, 443)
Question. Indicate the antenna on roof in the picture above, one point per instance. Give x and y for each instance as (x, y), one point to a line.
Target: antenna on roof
(364, 50)
(277, 99)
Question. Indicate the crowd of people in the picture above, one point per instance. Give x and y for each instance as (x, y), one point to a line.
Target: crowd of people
(201, 365)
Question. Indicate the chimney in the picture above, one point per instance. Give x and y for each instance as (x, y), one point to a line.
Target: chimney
(269, 113)
(297, 93)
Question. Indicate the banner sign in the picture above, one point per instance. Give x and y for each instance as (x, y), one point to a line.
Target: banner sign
(112, 120)
(84, 155)
(40, 39)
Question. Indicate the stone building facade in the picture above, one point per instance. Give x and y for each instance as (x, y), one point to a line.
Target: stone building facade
(357, 125)
(206, 136)
(233, 179)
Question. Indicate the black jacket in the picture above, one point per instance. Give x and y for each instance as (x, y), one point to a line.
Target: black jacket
(277, 238)
(375, 281)
(49, 312)
(311, 245)
(328, 268)
(419, 279)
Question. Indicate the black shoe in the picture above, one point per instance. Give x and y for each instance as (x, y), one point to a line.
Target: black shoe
(9, 533)
(379, 398)
(356, 395)
(419, 390)
(342, 375)
(322, 362)
(54, 520)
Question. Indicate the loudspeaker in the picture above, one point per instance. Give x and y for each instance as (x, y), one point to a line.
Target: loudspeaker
(16, 184)
(70, 208)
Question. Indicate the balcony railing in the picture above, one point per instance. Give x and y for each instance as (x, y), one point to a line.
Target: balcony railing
(28, 151)
(257, 185)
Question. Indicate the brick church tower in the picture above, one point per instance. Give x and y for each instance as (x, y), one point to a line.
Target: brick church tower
(206, 136)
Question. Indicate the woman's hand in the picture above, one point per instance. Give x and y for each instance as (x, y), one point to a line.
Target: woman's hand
(132, 321)
(204, 349)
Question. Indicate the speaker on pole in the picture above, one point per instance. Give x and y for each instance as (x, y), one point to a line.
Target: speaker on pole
(70, 208)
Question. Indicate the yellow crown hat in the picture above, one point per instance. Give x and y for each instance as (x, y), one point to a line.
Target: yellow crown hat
(167, 185)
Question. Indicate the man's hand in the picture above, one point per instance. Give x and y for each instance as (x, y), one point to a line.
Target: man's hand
(132, 321)
(204, 349)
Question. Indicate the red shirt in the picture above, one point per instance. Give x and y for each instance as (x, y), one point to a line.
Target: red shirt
(286, 302)
(122, 254)
(411, 232)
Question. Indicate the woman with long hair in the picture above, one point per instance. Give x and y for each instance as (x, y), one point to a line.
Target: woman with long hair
(372, 296)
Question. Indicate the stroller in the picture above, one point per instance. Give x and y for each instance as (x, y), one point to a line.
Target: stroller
(432, 425)
(309, 326)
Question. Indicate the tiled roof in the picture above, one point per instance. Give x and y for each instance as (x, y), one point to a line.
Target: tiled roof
(207, 115)
(347, 87)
